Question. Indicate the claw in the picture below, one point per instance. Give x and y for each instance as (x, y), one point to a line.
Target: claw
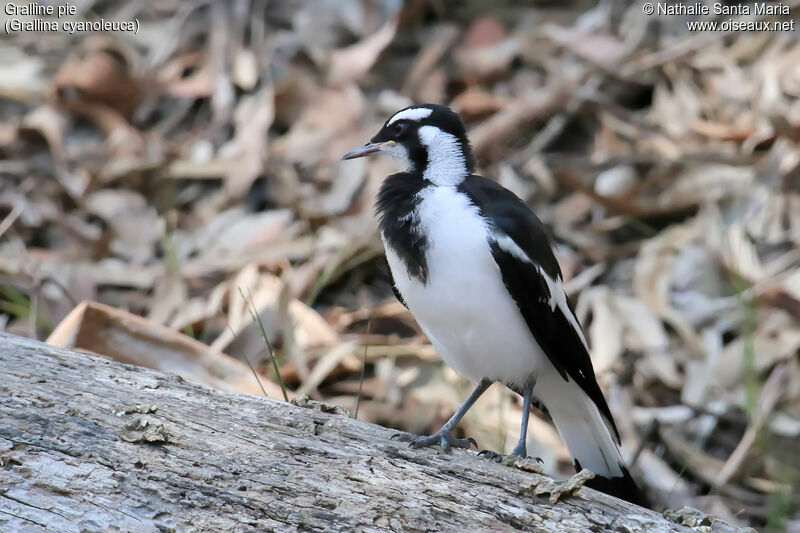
(442, 438)
(492, 456)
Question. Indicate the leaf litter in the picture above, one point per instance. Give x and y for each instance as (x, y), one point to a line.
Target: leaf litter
(149, 181)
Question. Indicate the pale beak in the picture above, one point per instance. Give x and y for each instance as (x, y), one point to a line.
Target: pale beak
(369, 148)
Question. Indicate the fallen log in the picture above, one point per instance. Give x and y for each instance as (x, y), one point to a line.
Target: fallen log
(90, 444)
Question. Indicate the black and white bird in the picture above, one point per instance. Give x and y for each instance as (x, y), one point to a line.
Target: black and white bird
(475, 267)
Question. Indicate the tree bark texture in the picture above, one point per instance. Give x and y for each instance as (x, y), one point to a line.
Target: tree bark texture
(90, 444)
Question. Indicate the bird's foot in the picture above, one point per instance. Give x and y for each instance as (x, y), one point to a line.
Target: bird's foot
(533, 464)
(445, 439)
(520, 450)
(491, 455)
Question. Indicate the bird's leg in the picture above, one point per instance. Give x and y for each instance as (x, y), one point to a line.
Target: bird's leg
(521, 450)
(444, 436)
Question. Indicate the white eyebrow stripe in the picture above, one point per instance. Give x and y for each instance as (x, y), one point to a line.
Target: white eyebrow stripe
(415, 113)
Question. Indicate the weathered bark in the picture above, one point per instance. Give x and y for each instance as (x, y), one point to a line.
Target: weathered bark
(89, 444)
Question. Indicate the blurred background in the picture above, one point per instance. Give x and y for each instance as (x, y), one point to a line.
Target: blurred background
(158, 188)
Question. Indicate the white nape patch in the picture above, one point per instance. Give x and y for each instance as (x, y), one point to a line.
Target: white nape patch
(446, 164)
(558, 296)
(414, 113)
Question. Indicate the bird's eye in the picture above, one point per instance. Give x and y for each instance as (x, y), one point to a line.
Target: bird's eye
(399, 128)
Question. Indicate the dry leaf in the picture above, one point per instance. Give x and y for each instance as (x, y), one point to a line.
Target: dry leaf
(131, 339)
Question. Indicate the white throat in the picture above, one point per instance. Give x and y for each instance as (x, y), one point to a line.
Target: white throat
(446, 164)
(399, 154)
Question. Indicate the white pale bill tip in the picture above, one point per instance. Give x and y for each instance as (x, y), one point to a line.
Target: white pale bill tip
(369, 148)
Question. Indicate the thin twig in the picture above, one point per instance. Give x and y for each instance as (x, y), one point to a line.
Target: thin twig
(650, 435)
(33, 314)
(64, 290)
(16, 211)
(363, 368)
(252, 308)
(247, 360)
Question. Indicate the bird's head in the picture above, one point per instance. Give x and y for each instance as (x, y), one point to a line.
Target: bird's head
(429, 139)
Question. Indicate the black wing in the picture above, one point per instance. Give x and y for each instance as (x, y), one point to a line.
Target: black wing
(523, 251)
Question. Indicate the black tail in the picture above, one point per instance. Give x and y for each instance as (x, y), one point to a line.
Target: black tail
(623, 487)
(589, 436)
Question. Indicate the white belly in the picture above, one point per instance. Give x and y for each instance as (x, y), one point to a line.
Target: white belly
(465, 309)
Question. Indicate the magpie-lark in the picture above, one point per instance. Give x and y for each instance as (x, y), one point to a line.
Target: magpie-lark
(475, 267)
